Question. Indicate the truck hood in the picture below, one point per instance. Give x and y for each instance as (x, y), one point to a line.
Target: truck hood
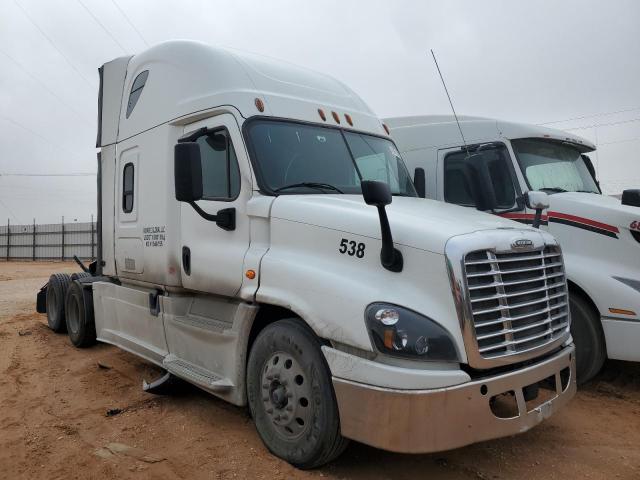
(415, 222)
(598, 211)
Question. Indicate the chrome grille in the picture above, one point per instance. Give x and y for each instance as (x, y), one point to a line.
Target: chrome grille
(518, 300)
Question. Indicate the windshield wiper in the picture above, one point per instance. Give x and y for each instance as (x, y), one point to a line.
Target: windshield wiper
(316, 185)
(553, 189)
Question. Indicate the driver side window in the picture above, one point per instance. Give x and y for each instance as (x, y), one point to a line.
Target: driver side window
(220, 172)
(457, 187)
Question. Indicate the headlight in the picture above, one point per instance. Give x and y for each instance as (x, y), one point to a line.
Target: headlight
(403, 333)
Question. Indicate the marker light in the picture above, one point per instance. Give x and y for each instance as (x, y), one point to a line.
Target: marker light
(250, 274)
(386, 129)
(259, 105)
(322, 115)
(621, 311)
(336, 117)
(348, 118)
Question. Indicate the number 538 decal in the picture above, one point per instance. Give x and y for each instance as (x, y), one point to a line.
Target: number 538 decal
(635, 225)
(351, 248)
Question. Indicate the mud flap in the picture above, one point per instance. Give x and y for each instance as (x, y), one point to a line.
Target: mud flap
(41, 299)
(165, 385)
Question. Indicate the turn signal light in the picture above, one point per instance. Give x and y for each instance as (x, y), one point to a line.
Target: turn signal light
(621, 311)
(250, 274)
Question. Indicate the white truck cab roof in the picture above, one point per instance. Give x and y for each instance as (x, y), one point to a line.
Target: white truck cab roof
(474, 128)
(186, 76)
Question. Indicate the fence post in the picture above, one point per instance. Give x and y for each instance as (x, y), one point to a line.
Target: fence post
(92, 257)
(8, 237)
(62, 238)
(34, 240)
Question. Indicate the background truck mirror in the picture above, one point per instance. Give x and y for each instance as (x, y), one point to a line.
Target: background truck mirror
(187, 172)
(631, 197)
(378, 194)
(419, 182)
(537, 200)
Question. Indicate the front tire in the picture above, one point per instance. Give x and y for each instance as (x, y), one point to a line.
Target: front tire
(79, 315)
(291, 396)
(586, 330)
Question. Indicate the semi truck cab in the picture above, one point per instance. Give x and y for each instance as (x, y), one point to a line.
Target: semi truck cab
(261, 238)
(600, 235)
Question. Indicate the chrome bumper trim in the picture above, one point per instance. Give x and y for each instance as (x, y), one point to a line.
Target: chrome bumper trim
(422, 421)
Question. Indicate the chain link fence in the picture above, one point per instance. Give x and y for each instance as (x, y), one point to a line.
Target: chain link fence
(49, 241)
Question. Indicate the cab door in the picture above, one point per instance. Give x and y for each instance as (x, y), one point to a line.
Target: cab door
(212, 256)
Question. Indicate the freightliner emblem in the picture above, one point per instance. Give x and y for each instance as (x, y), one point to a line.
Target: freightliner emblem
(522, 243)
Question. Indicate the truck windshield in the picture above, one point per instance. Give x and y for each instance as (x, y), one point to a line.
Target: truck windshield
(552, 166)
(300, 158)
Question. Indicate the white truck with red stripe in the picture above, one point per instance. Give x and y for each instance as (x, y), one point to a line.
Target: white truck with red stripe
(599, 234)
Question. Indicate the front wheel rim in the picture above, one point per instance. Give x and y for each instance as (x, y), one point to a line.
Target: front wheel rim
(286, 395)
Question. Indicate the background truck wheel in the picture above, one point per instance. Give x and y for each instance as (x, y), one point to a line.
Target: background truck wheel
(56, 293)
(588, 337)
(291, 396)
(79, 315)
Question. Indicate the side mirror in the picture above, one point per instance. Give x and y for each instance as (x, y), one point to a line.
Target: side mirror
(631, 197)
(537, 201)
(187, 172)
(420, 182)
(378, 194)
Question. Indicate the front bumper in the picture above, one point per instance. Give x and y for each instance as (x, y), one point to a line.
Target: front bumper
(422, 421)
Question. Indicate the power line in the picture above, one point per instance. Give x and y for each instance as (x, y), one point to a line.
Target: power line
(129, 21)
(592, 116)
(595, 125)
(79, 174)
(43, 85)
(102, 26)
(26, 14)
(32, 131)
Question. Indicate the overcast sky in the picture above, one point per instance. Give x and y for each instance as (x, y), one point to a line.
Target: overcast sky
(533, 61)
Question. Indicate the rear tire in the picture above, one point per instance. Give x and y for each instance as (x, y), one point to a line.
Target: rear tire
(586, 330)
(56, 294)
(291, 396)
(79, 315)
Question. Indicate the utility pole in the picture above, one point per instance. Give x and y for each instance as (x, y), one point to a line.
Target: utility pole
(62, 255)
(34, 241)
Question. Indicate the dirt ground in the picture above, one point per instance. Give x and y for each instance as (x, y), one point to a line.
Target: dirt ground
(54, 421)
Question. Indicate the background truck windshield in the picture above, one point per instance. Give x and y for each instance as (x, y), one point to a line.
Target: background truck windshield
(553, 166)
(289, 154)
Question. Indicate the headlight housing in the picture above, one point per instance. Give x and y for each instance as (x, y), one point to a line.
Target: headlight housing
(400, 332)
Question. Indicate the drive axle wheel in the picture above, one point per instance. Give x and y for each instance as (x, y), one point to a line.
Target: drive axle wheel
(79, 315)
(291, 396)
(56, 293)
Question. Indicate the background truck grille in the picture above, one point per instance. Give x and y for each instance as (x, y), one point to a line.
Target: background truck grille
(518, 300)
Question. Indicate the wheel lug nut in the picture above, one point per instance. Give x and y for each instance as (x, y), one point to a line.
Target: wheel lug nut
(289, 408)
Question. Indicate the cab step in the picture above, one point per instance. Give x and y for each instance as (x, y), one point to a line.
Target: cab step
(198, 375)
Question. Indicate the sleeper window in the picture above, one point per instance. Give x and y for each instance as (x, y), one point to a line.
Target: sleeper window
(127, 188)
(136, 91)
(220, 173)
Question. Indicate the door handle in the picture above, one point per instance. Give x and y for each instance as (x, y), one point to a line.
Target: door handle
(186, 260)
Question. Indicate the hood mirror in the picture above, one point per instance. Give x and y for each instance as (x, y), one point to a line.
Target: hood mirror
(631, 197)
(537, 201)
(378, 194)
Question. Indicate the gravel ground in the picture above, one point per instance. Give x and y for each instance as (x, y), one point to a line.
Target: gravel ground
(54, 424)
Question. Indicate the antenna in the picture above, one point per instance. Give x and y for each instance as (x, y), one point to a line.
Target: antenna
(450, 102)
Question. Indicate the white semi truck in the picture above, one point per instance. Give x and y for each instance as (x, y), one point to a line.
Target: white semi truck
(599, 235)
(249, 244)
